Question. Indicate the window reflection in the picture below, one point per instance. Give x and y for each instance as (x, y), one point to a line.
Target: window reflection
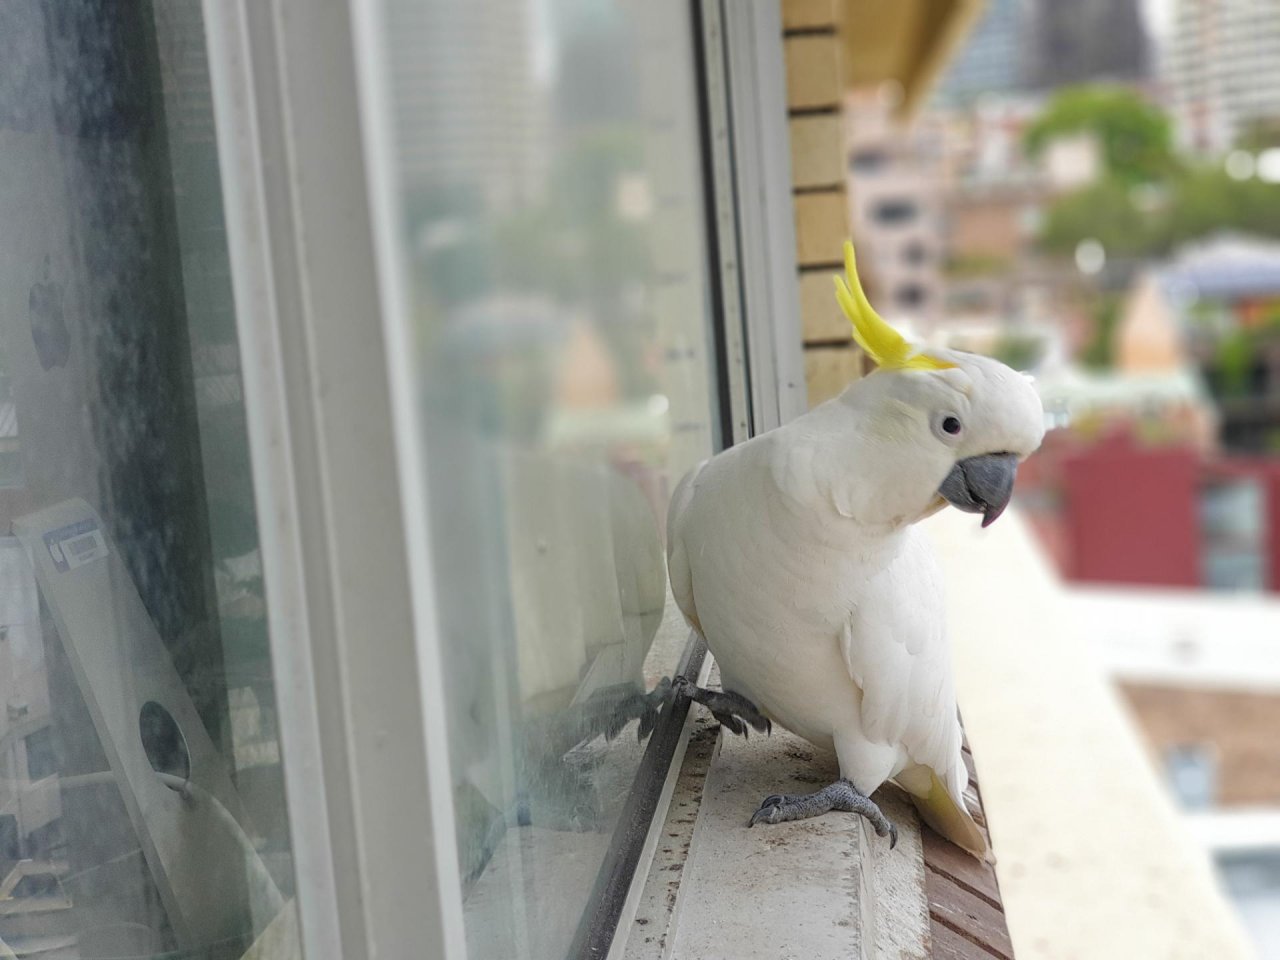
(141, 796)
(552, 228)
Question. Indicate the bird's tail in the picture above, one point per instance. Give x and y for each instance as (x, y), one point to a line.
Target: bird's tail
(949, 816)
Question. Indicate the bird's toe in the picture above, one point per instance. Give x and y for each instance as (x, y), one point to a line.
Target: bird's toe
(768, 811)
(733, 724)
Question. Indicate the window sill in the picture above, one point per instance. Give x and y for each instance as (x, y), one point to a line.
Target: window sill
(818, 889)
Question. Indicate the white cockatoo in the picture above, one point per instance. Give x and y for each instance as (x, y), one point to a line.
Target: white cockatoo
(797, 556)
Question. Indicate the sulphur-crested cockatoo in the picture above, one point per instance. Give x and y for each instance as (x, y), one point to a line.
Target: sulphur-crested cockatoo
(797, 556)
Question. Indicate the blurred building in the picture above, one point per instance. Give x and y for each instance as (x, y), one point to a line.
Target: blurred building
(995, 193)
(991, 61)
(896, 208)
(1040, 45)
(949, 207)
(1174, 559)
(993, 198)
(1222, 69)
(1198, 672)
(1085, 42)
(1216, 307)
(1133, 511)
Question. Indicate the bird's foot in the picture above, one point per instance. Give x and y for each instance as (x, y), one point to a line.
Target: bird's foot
(733, 710)
(644, 707)
(841, 795)
(607, 711)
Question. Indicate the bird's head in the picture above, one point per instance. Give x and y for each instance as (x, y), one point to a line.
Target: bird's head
(938, 426)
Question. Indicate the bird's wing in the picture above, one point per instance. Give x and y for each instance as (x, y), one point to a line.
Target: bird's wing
(678, 569)
(894, 644)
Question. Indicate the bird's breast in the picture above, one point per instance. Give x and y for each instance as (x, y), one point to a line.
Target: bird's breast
(773, 600)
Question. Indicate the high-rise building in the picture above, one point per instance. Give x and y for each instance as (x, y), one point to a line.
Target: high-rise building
(989, 61)
(1223, 69)
(1086, 41)
(1043, 44)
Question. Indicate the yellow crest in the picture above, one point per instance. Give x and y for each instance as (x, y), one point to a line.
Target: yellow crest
(883, 344)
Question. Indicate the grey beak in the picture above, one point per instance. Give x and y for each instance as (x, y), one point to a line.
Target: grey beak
(981, 485)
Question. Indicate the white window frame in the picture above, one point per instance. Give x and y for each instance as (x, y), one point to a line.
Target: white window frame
(354, 652)
(305, 153)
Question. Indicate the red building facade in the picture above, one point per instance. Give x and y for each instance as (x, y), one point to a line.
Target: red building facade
(1122, 511)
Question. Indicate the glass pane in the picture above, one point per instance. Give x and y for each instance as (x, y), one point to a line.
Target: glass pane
(141, 797)
(1252, 881)
(1232, 519)
(549, 160)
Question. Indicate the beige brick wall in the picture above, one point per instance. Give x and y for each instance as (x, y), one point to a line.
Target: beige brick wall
(813, 71)
(808, 14)
(817, 150)
(820, 314)
(815, 92)
(828, 370)
(822, 226)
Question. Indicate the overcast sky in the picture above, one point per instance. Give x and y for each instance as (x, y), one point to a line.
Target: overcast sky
(1159, 17)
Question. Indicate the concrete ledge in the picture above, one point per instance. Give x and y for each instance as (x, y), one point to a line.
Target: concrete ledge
(821, 889)
(1093, 859)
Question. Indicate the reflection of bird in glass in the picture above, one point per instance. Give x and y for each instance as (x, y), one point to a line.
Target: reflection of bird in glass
(797, 556)
(587, 582)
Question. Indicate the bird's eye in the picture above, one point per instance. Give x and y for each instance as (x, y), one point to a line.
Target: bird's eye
(951, 425)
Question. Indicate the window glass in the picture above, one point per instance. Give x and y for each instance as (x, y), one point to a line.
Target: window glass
(141, 797)
(869, 160)
(552, 225)
(894, 211)
(1192, 771)
(1232, 518)
(1252, 881)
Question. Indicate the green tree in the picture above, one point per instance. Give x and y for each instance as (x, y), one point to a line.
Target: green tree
(1019, 351)
(1206, 200)
(1104, 211)
(1134, 136)
(1192, 203)
(1235, 355)
(1146, 203)
(1099, 353)
(1260, 133)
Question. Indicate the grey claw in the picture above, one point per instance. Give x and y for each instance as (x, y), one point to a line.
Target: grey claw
(767, 811)
(893, 836)
(734, 724)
